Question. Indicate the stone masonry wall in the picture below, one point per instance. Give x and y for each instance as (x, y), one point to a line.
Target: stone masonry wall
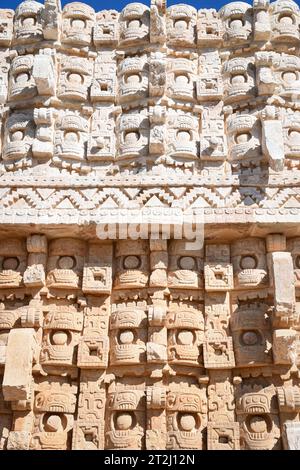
(106, 118)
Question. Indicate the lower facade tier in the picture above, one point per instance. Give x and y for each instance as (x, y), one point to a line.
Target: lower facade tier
(150, 343)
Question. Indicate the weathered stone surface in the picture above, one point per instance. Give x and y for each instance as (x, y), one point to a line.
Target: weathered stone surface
(18, 366)
(149, 227)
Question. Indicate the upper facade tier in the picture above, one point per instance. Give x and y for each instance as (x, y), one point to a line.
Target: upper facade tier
(151, 97)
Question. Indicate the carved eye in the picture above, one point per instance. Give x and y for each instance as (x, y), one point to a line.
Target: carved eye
(131, 137)
(248, 262)
(53, 423)
(289, 77)
(66, 262)
(186, 422)
(78, 23)
(126, 337)
(182, 79)
(59, 338)
(187, 262)
(75, 78)
(250, 338)
(181, 24)
(185, 337)
(72, 136)
(29, 21)
(294, 136)
(297, 262)
(134, 24)
(133, 78)
(286, 20)
(237, 22)
(124, 421)
(10, 263)
(131, 262)
(238, 79)
(184, 136)
(242, 137)
(257, 424)
(22, 77)
(17, 136)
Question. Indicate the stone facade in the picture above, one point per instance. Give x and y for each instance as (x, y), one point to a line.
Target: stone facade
(124, 343)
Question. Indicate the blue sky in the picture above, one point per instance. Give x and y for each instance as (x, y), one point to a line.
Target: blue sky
(119, 4)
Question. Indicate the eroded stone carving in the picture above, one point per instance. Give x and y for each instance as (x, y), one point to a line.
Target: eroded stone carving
(122, 134)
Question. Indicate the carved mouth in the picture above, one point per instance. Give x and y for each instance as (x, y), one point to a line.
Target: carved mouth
(15, 150)
(71, 152)
(57, 409)
(10, 277)
(186, 277)
(255, 409)
(132, 34)
(128, 90)
(252, 277)
(239, 90)
(187, 353)
(64, 277)
(259, 438)
(133, 277)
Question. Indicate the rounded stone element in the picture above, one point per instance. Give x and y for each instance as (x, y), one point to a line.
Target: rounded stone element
(187, 422)
(78, 23)
(187, 262)
(71, 136)
(66, 262)
(236, 23)
(257, 424)
(10, 263)
(17, 136)
(75, 78)
(248, 262)
(250, 338)
(294, 136)
(53, 423)
(131, 262)
(126, 337)
(286, 20)
(131, 137)
(243, 137)
(29, 21)
(182, 79)
(22, 77)
(180, 24)
(289, 76)
(59, 338)
(124, 421)
(133, 78)
(238, 79)
(183, 136)
(185, 337)
(134, 24)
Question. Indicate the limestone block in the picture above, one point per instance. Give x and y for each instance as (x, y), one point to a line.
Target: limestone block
(18, 440)
(281, 264)
(18, 368)
(6, 26)
(97, 271)
(291, 435)
(44, 74)
(51, 19)
(272, 135)
(286, 347)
